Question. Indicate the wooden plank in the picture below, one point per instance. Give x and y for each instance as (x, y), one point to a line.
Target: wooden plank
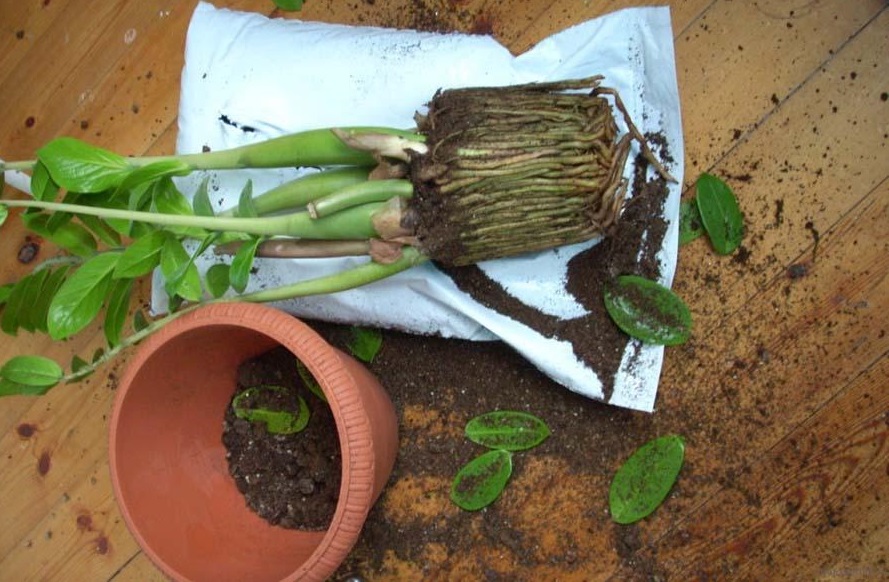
(82, 537)
(139, 569)
(753, 382)
(521, 34)
(807, 164)
(776, 45)
(823, 476)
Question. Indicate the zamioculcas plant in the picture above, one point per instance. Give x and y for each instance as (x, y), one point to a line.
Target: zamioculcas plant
(490, 172)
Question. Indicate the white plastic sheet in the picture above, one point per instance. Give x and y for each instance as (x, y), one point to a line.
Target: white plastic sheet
(279, 76)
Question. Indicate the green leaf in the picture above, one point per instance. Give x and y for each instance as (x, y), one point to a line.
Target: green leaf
(101, 229)
(141, 257)
(507, 429)
(720, 214)
(289, 5)
(216, 280)
(690, 226)
(80, 167)
(116, 312)
(78, 364)
(5, 291)
(4, 213)
(167, 199)
(29, 318)
(366, 343)
(42, 185)
(246, 207)
(47, 292)
(32, 371)
(10, 388)
(645, 479)
(80, 298)
(647, 310)
(66, 234)
(276, 421)
(139, 321)
(242, 264)
(482, 480)
(98, 354)
(75, 238)
(16, 305)
(201, 201)
(180, 272)
(309, 381)
(154, 171)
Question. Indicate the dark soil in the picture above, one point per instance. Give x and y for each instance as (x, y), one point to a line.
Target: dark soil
(290, 480)
(438, 384)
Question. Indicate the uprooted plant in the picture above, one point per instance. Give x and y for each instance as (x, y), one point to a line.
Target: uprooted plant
(489, 173)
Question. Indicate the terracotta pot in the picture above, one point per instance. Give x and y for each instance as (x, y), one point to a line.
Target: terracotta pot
(168, 465)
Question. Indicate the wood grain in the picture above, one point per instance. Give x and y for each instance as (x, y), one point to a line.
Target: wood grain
(781, 395)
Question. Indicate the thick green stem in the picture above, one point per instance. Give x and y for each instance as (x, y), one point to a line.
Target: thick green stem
(17, 166)
(356, 277)
(299, 192)
(352, 223)
(364, 193)
(317, 147)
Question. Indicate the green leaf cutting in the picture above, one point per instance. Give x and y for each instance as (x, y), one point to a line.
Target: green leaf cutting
(645, 479)
(647, 310)
(507, 429)
(720, 214)
(481, 481)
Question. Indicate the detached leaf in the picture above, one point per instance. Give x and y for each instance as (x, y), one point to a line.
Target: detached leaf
(482, 480)
(647, 310)
(80, 298)
(242, 264)
(32, 371)
(645, 479)
(690, 226)
(366, 343)
(80, 167)
(276, 421)
(720, 214)
(309, 381)
(507, 429)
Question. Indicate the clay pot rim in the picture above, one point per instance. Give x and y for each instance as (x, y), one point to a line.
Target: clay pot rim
(337, 383)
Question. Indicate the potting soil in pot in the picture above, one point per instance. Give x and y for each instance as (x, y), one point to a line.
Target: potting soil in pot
(290, 480)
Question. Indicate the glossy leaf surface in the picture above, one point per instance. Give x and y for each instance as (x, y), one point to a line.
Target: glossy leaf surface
(507, 429)
(720, 214)
(644, 480)
(481, 481)
(647, 310)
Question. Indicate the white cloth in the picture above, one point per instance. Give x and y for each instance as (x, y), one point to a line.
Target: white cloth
(280, 76)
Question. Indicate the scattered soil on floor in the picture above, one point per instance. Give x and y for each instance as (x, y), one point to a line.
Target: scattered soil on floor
(290, 480)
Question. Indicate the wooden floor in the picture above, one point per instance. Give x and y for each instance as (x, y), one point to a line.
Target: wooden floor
(784, 388)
